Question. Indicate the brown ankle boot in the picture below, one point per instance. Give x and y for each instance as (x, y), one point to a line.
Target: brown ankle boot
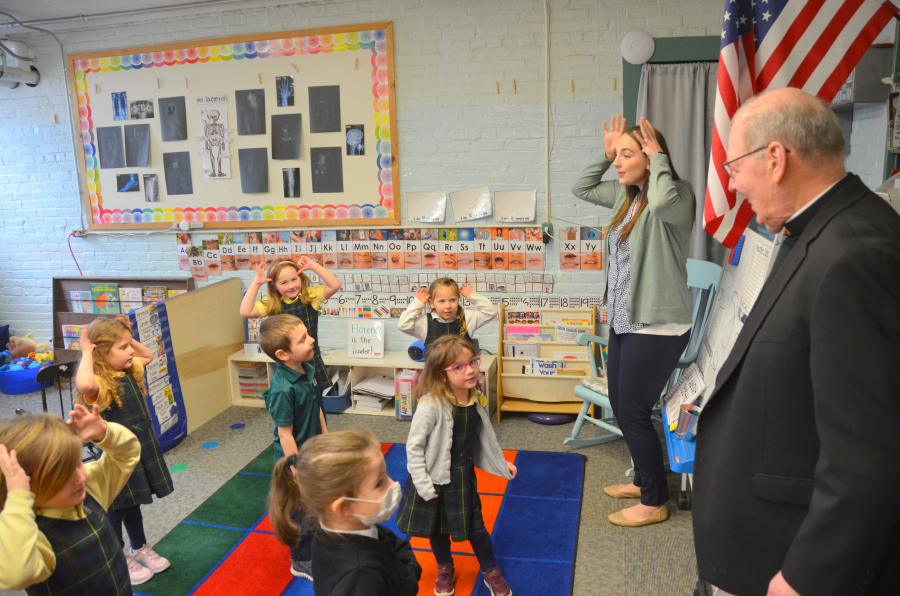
(493, 579)
(443, 586)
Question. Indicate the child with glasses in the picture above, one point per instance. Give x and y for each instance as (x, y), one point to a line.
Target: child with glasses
(450, 434)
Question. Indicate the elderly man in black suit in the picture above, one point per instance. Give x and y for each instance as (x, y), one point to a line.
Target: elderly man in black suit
(797, 471)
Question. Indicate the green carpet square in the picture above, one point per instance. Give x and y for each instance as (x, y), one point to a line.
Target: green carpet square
(239, 503)
(262, 463)
(193, 551)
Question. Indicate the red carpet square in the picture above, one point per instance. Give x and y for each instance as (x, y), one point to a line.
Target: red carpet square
(259, 566)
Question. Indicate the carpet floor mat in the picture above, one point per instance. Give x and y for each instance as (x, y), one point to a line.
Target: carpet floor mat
(227, 546)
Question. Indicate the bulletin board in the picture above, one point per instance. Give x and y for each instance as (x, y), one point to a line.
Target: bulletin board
(295, 127)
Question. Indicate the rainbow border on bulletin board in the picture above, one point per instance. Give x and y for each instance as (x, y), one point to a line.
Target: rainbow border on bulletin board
(374, 40)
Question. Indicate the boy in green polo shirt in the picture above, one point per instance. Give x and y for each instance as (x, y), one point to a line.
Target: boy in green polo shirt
(292, 400)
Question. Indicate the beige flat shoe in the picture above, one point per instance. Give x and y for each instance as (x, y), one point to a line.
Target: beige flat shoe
(660, 515)
(615, 493)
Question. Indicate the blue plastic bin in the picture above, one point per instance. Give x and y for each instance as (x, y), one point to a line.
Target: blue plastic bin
(16, 382)
(335, 403)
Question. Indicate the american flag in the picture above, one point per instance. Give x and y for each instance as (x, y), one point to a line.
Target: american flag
(766, 44)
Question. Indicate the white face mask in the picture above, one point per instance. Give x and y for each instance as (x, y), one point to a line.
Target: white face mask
(388, 502)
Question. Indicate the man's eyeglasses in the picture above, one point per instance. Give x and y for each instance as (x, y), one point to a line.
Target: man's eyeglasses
(461, 368)
(727, 165)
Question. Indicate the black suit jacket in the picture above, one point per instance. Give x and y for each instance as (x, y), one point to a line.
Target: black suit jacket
(798, 449)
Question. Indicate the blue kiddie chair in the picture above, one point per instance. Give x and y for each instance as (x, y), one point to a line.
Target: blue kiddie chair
(703, 281)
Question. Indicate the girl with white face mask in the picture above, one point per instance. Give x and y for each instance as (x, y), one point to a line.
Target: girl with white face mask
(342, 480)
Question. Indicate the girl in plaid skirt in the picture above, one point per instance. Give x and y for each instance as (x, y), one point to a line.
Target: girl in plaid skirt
(54, 534)
(343, 482)
(111, 375)
(450, 434)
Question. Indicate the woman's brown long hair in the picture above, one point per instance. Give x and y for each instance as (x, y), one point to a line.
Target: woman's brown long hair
(273, 304)
(635, 133)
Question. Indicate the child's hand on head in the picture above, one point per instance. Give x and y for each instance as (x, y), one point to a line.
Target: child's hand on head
(85, 341)
(15, 476)
(466, 289)
(261, 278)
(90, 426)
(512, 469)
(422, 295)
(125, 320)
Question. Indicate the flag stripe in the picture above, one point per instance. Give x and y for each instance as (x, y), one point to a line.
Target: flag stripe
(810, 44)
(793, 34)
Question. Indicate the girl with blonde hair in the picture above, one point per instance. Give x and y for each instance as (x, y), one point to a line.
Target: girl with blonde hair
(54, 536)
(342, 481)
(111, 376)
(290, 293)
(447, 316)
(450, 434)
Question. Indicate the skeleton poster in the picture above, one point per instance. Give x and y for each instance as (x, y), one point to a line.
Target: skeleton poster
(215, 154)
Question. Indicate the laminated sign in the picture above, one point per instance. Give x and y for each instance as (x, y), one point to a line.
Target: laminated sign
(365, 339)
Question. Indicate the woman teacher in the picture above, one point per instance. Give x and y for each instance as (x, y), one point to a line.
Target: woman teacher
(648, 302)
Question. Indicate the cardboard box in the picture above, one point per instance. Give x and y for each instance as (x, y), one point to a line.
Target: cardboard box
(405, 383)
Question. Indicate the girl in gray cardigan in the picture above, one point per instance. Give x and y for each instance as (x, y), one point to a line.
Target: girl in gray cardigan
(450, 434)
(647, 297)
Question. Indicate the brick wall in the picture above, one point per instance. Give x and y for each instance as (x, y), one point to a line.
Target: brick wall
(454, 130)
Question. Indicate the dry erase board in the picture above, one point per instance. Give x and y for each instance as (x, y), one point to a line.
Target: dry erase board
(295, 127)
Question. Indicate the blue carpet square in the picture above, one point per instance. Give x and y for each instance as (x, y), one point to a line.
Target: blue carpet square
(536, 528)
(299, 586)
(554, 475)
(396, 463)
(531, 578)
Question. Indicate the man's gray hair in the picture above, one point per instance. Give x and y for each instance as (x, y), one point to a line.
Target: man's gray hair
(808, 128)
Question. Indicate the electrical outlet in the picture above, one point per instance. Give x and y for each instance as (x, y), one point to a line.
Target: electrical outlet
(80, 233)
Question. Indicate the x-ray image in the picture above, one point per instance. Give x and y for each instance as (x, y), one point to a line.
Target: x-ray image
(254, 165)
(291, 182)
(177, 168)
(328, 172)
(151, 188)
(137, 145)
(325, 109)
(173, 118)
(286, 136)
(284, 91)
(141, 109)
(127, 183)
(251, 111)
(355, 139)
(120, 106)
(112, 153)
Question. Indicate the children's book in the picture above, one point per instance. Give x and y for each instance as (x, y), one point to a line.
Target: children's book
(542, 364)
(173, 293)
(154, 294)
(71, 330)
(106, 298)
(82, 301)
(570, 372)
(130, 299)
(72, 343)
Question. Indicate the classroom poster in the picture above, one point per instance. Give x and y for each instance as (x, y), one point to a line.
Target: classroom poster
(167, 413)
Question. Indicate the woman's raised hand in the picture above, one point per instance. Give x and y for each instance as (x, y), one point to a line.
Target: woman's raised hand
(649, 144)
(611, 135)
(261, 277)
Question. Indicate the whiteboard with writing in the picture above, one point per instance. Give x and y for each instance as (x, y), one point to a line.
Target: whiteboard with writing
(365, 339)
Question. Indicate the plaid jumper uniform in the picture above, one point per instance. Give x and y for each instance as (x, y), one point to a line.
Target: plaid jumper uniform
(150, 476)
(310, 318)
(89, 559)
(457, 509)
(438, 329)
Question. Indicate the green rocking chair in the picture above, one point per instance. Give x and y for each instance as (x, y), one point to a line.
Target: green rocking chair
(594, 391)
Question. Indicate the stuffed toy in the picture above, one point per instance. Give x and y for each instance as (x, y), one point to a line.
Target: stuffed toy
(20, 347)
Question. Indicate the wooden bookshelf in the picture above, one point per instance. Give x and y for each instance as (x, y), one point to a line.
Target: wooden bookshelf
(517, 392)
(62, 303)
